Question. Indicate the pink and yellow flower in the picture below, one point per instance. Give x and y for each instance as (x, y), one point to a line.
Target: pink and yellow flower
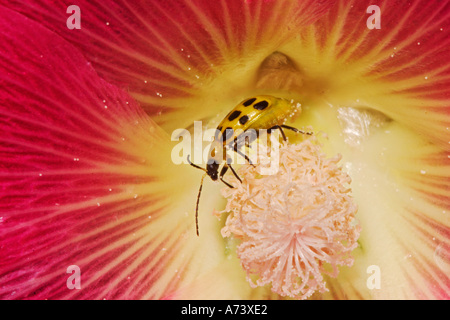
(86, 176)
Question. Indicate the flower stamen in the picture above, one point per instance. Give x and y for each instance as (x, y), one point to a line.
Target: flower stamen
(296, 225)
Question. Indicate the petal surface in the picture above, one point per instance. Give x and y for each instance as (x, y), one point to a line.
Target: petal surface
(86, 180)
(401, 69)
(381, 96)
(175, 56)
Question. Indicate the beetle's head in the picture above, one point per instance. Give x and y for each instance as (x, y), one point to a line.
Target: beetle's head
(212, 169)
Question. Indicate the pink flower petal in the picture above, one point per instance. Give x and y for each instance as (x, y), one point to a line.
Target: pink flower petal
(163, 51)
(81, 177)
(401, 69)
(399, 165)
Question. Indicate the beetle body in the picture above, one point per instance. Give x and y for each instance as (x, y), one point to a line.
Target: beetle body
(259, 112)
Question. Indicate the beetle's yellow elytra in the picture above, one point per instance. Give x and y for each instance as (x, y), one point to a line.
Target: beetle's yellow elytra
(259, 112)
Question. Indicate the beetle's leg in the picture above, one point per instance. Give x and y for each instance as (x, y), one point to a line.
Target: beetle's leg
(296, 130)
(239, 152)
(280, 127)
(281, 130)
(222, 173)
(234, 172)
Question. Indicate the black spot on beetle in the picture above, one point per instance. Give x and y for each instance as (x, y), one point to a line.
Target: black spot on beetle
(234, 115)
(243, 120)
(261, 105)
(249, 102)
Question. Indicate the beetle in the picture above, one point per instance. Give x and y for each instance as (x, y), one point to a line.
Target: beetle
(259, 112)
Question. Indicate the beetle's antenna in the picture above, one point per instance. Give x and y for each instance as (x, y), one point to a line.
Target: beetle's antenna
(199, 192)
(194, 165)
(196, 206)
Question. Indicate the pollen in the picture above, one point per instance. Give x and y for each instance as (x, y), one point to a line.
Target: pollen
(294, 226)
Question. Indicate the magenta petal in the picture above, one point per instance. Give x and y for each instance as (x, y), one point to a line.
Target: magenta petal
(75, 152)
(402, 69)
(172, 49)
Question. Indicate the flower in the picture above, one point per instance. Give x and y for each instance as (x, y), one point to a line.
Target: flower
(293, 225)
(85, 151)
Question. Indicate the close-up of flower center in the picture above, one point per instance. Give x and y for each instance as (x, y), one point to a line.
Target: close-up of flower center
(243, 149)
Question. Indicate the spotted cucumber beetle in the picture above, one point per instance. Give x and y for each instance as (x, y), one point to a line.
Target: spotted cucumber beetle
(259, 112)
